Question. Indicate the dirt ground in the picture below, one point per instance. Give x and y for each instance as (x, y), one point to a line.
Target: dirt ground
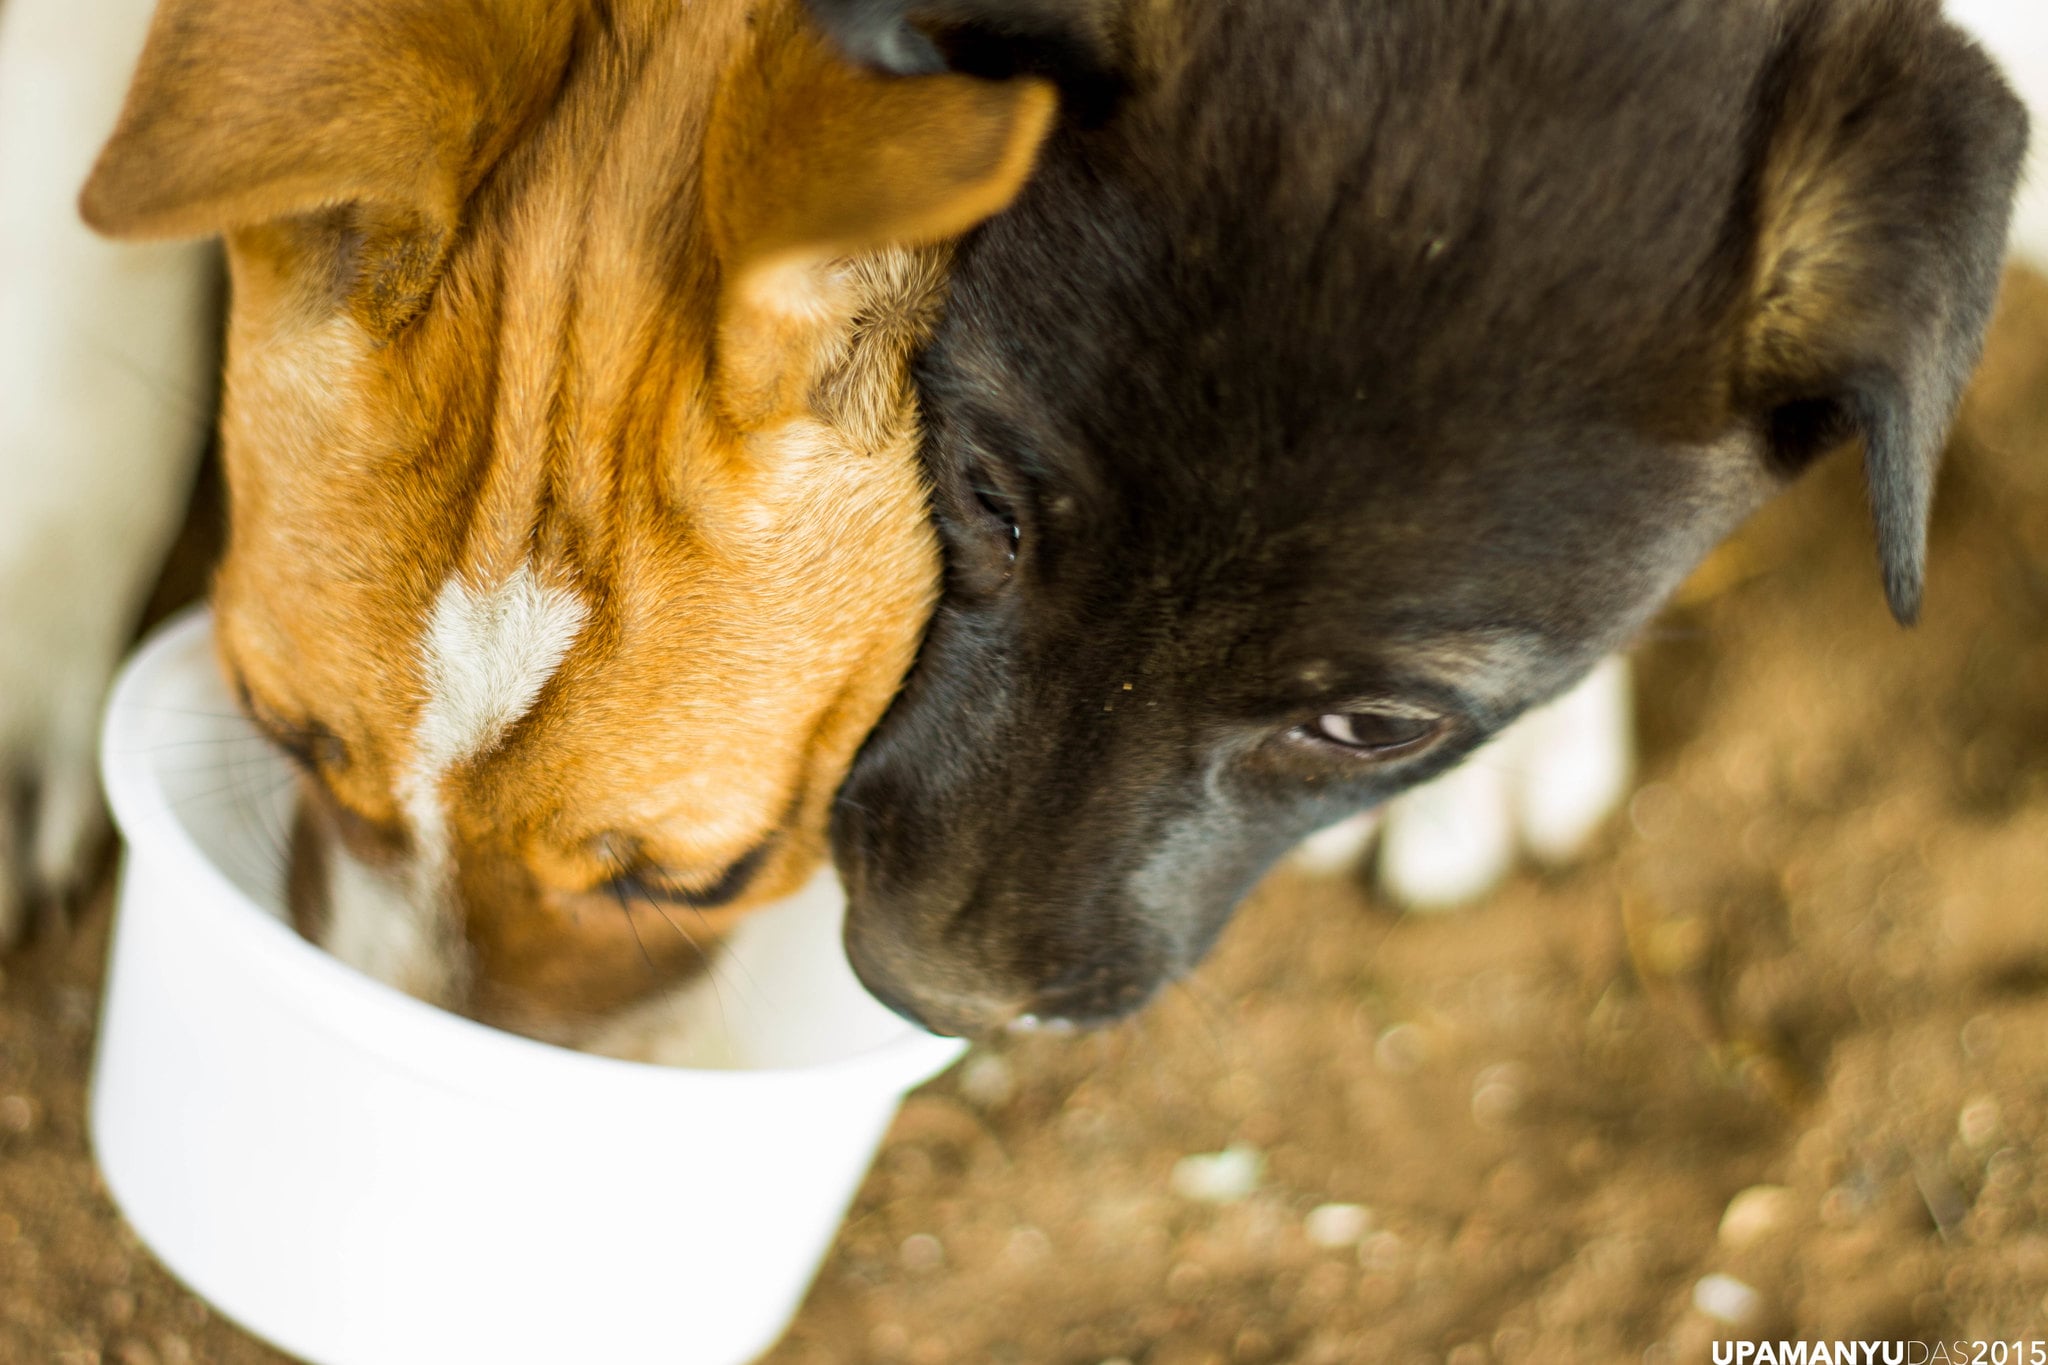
(1778, 1051)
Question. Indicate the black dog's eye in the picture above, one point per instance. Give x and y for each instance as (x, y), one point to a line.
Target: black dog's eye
(984, 533)
(1375, 734)
(997, 510)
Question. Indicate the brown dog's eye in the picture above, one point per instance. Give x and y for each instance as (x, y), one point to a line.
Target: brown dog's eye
(309, 744)
(1375, 734)
(656, 888)
(314, 747)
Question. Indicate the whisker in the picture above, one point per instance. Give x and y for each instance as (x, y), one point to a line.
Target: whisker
(234, 788)
(207, 741)
(726, 959)
(627, 910)
(669, 920)
(710, 964)
(199, 712)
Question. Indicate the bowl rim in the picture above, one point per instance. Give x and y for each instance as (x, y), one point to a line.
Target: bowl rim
(441, 1048)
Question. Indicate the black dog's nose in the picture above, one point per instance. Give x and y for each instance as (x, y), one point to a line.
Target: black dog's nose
(913, 986)
(946, 990)
(886, 991)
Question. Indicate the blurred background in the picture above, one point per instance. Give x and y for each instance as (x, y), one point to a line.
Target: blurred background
(1771, 1062)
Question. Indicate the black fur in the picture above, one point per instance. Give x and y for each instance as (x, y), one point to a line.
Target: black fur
(1369, 355)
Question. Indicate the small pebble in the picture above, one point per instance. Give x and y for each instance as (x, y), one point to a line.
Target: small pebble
(1755, 1214)
(922, 1253)
(17, 1114)
(1337, 1225)
(1978, 1124)
(1400, 1050)
(1187, 1282)
(1031, 1023)
(1497, 1095)
(1843, 1206)
(1512, 1343)
(1028, 1246)
(1726, 1299)
(1980, 1037)
(987, 1080)
(1653, 810)
(1220, 1177)
(1676, 946)
(1382, 1251)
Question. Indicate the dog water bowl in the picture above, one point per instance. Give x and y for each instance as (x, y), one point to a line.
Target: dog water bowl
(365, 1180)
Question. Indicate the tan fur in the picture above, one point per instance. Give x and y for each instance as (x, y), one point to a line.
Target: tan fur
(569, 287)
(1808, 252)
(1823, 218)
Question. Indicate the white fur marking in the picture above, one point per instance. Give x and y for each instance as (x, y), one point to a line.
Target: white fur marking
(485, 657)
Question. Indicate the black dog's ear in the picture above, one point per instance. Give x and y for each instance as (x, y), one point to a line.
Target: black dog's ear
(1888, 151)
(1063, 41)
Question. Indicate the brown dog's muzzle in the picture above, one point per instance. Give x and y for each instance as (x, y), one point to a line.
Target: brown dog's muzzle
(514, 953)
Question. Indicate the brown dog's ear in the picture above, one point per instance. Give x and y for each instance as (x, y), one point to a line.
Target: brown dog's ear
(246, 112)
(810, 159)
(1890, 151)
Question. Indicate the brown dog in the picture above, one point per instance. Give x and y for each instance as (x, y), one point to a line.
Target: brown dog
(577, 536)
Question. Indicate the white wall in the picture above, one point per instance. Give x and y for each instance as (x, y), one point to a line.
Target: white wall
(2016, 31)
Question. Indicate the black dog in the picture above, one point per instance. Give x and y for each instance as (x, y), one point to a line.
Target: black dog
(1354, 375)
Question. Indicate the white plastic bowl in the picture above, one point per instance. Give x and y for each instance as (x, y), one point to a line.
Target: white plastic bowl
(365, 1180)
